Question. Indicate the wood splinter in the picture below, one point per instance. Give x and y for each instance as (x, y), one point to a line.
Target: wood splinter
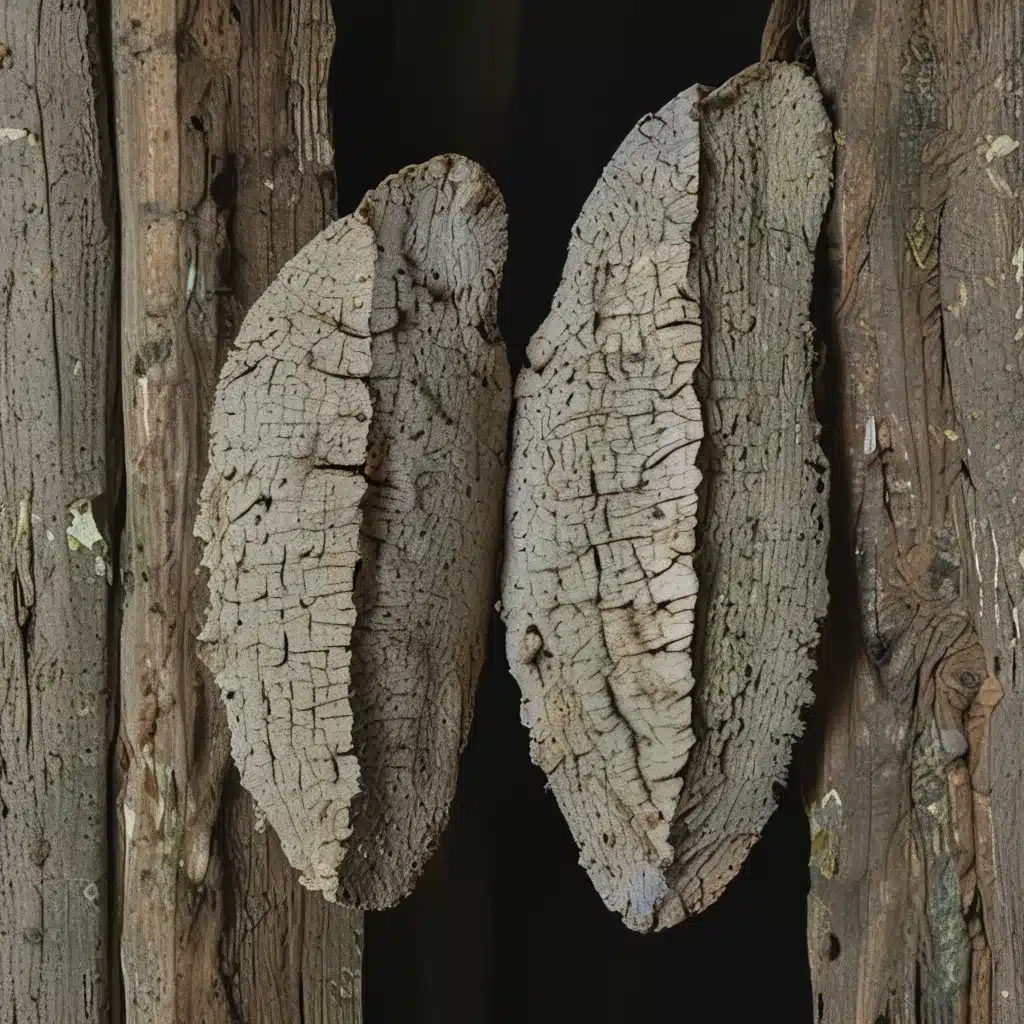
(662, 710)
(351, 517)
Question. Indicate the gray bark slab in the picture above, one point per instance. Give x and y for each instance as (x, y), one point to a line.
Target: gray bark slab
(599, 587)
(666, 786)
(280, 517)
(57, 274)
(351, 517)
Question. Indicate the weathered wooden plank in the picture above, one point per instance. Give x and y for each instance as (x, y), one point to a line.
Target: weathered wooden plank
(225, 166)
(916, 870)
(57, 493)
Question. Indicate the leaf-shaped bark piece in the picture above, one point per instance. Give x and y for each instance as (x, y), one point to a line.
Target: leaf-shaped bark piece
(599, 587)
(351, 516)
(766, 174)
(441, 393)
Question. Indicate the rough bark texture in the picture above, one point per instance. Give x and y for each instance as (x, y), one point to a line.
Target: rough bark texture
(917, 877)
(280, 515)
(225, 169)
(441, 392)
(351, 515)
(599, 587)
(766, 174)
(57, 323)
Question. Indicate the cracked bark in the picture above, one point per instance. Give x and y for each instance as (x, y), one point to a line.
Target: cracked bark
(225, 171)
(57, 245)
(600, 588)
(916, 788)
(351, 518)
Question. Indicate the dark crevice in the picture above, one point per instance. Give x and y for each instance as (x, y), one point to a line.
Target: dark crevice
(504, 924)
(114, 502)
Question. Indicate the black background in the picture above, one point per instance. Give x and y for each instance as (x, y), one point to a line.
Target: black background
(504, 925)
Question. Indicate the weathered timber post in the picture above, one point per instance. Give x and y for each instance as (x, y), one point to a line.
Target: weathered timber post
(917, 786)
(57, 491)
(225, 167)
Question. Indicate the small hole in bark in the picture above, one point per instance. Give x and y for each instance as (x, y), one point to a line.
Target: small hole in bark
(229, 695)
(224, 184)
(833, 946)
(821, 1007)
(236, 14)
(197, 122)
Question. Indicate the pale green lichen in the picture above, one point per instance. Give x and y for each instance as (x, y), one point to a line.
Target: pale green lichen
(84, 533)
(826, 819)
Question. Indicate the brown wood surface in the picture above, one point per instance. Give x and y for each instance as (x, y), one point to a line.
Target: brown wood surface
(58, 235)
(916, 792)
(225, 168)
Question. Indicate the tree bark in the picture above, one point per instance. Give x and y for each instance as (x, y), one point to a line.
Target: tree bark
(57, 492)
(225, 172)
(917, 788)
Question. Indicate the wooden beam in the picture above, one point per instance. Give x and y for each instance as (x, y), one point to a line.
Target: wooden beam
(225, 165)
(58, 232)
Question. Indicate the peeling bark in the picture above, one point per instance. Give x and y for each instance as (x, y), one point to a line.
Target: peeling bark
(57, 323)
(917, 877)
(226, 171)
(351, 515)
(600, 588)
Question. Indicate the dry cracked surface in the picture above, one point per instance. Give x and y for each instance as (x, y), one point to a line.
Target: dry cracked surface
(599, 587)
(664, 784)
(351, 517)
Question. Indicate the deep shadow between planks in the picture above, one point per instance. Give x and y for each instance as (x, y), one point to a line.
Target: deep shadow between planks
(504, 925)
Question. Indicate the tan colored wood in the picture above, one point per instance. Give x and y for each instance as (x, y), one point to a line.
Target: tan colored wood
(224, 160)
